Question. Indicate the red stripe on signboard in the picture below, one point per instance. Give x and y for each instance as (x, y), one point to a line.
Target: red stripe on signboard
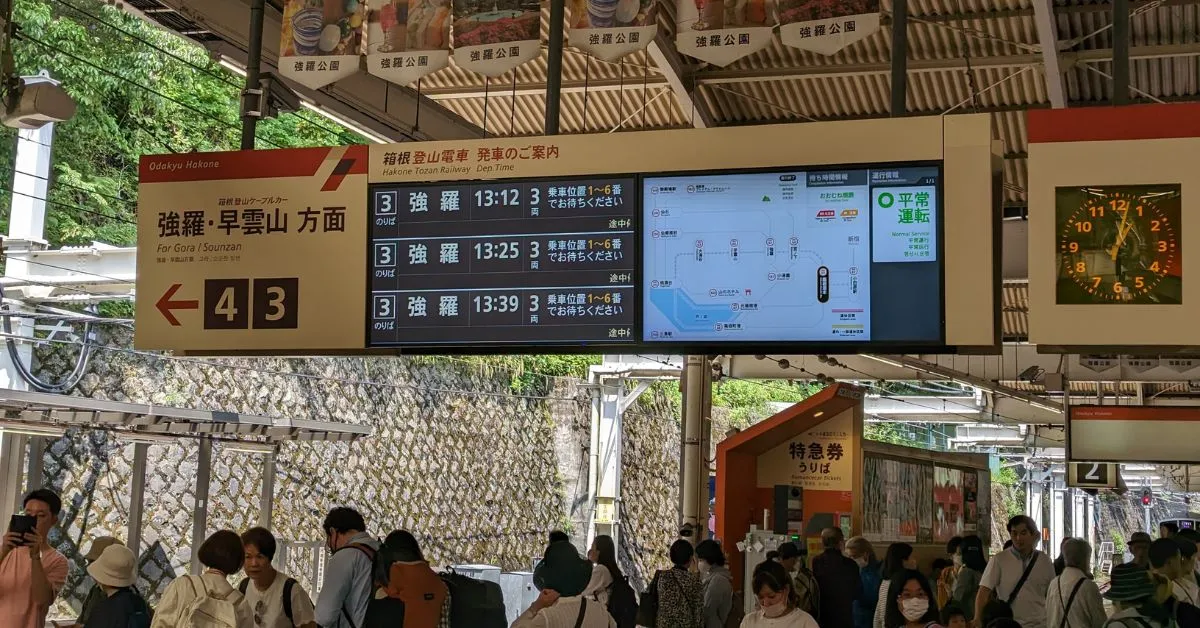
(1135, 413)
(246, 164)
(1096, 124)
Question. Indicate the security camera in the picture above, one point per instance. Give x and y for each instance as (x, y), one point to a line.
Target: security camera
(39, 100)
(270, 99)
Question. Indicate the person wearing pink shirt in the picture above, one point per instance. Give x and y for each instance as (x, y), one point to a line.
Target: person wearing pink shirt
(31, 572)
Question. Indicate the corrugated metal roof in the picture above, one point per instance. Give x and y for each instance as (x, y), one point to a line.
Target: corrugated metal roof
(998, 38)
(964, 55)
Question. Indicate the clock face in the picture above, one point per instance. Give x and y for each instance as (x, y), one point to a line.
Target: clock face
(1119, 245)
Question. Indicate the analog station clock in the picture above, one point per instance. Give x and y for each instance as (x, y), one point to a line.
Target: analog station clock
(1119, 245)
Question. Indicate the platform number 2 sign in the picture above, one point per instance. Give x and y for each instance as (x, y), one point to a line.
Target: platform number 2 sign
(1093, 474)
(251, 303)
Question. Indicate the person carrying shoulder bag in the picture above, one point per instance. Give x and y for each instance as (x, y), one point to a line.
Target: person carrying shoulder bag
(1073, 600)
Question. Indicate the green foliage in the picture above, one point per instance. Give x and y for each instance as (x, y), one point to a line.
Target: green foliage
(1007, 477)
(891, 433)
(1119, 544)
(193, 106)
(748, 399)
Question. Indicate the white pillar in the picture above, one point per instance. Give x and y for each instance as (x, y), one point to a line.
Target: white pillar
(697, 379)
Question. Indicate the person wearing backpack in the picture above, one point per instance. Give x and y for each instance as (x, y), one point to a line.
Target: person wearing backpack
(1073, 600)
(277, 600)
(717, 585)
(1020, 576)
(349, 583)
(911, 602)
(208, 600)
(410, 594)
(562, 577)
(120, 606)
(608, 585)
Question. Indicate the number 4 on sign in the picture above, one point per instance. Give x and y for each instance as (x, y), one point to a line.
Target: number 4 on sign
(167, 306)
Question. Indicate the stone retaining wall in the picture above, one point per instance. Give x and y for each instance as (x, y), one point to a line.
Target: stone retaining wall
(479, 471)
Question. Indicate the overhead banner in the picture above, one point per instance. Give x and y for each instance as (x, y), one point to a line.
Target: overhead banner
(826, 27)
(321, 40)
(723, 31)
(1103, 433)
(611, 29)
(244, 251)
(407, 39)
(492, 37)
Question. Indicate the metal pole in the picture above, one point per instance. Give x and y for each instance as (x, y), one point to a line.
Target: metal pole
(554, 65)
(34, 475)
(251, 114)
(1120, 35)
(200, 514)
(266, 504)
(696, 371)
(899, 58)
(137, 494)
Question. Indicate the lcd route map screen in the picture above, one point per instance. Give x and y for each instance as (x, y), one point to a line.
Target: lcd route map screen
(793, 256)
(504, 263)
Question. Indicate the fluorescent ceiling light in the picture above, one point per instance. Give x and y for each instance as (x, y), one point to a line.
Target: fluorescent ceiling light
(818, 414)
(370, 135)
(229, 64)
(886, 361)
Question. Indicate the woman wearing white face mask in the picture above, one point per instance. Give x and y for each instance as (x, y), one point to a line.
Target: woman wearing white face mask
(777, 601)
(899, 559)
(913, 604)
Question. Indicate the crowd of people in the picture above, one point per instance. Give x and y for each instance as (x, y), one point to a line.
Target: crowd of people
(372, 584)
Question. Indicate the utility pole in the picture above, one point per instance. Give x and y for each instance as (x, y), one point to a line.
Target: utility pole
(253, 99)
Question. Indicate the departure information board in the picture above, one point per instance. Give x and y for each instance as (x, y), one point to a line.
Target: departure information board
(827, 256)
(504, 263)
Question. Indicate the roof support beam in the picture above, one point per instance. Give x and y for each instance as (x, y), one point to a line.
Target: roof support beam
(719, 77)
(1047, 34)
(670, 63)
(539, 89)
(383, 108)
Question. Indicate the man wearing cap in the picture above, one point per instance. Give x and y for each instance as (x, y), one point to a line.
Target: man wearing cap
(1139, 546)
(114, 572)
(562, 577)
(96, 593)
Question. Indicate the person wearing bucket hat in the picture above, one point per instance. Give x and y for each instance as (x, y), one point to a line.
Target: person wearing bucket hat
(1139, 546)
(1138, 596)
(95, 594)
(115, 571)
(562, 577)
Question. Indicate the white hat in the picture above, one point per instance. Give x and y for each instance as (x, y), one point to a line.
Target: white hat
(115, 567)
(98, 545)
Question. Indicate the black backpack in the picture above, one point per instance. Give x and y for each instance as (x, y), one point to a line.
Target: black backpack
(475, 603)
(288, 585)
(647, 612)
(140, 617)
(622, 603)
(384, 612)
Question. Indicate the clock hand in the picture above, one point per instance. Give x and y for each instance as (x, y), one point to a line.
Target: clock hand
(1122, 231)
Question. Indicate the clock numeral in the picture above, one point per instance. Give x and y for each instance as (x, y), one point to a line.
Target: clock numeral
(1154, 225)
(1139, 210)
(1154, 267)
(1162, 246)
(1080, 267)
(1118, 288)
(1097, 212)
(1139, 283)
(1073, 247)
(1096, 282)
(1119, 205)
(1085, 226)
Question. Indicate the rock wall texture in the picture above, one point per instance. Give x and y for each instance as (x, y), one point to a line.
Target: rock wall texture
(481, 472)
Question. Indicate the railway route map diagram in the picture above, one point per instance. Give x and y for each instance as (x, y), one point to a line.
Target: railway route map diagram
(757, 257)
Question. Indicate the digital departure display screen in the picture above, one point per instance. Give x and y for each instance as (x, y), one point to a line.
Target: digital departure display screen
(504, 263)
(817, 256)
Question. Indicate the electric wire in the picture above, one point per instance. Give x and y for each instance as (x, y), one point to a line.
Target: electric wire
(180, 103)
(217, 75)
(70, 381)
